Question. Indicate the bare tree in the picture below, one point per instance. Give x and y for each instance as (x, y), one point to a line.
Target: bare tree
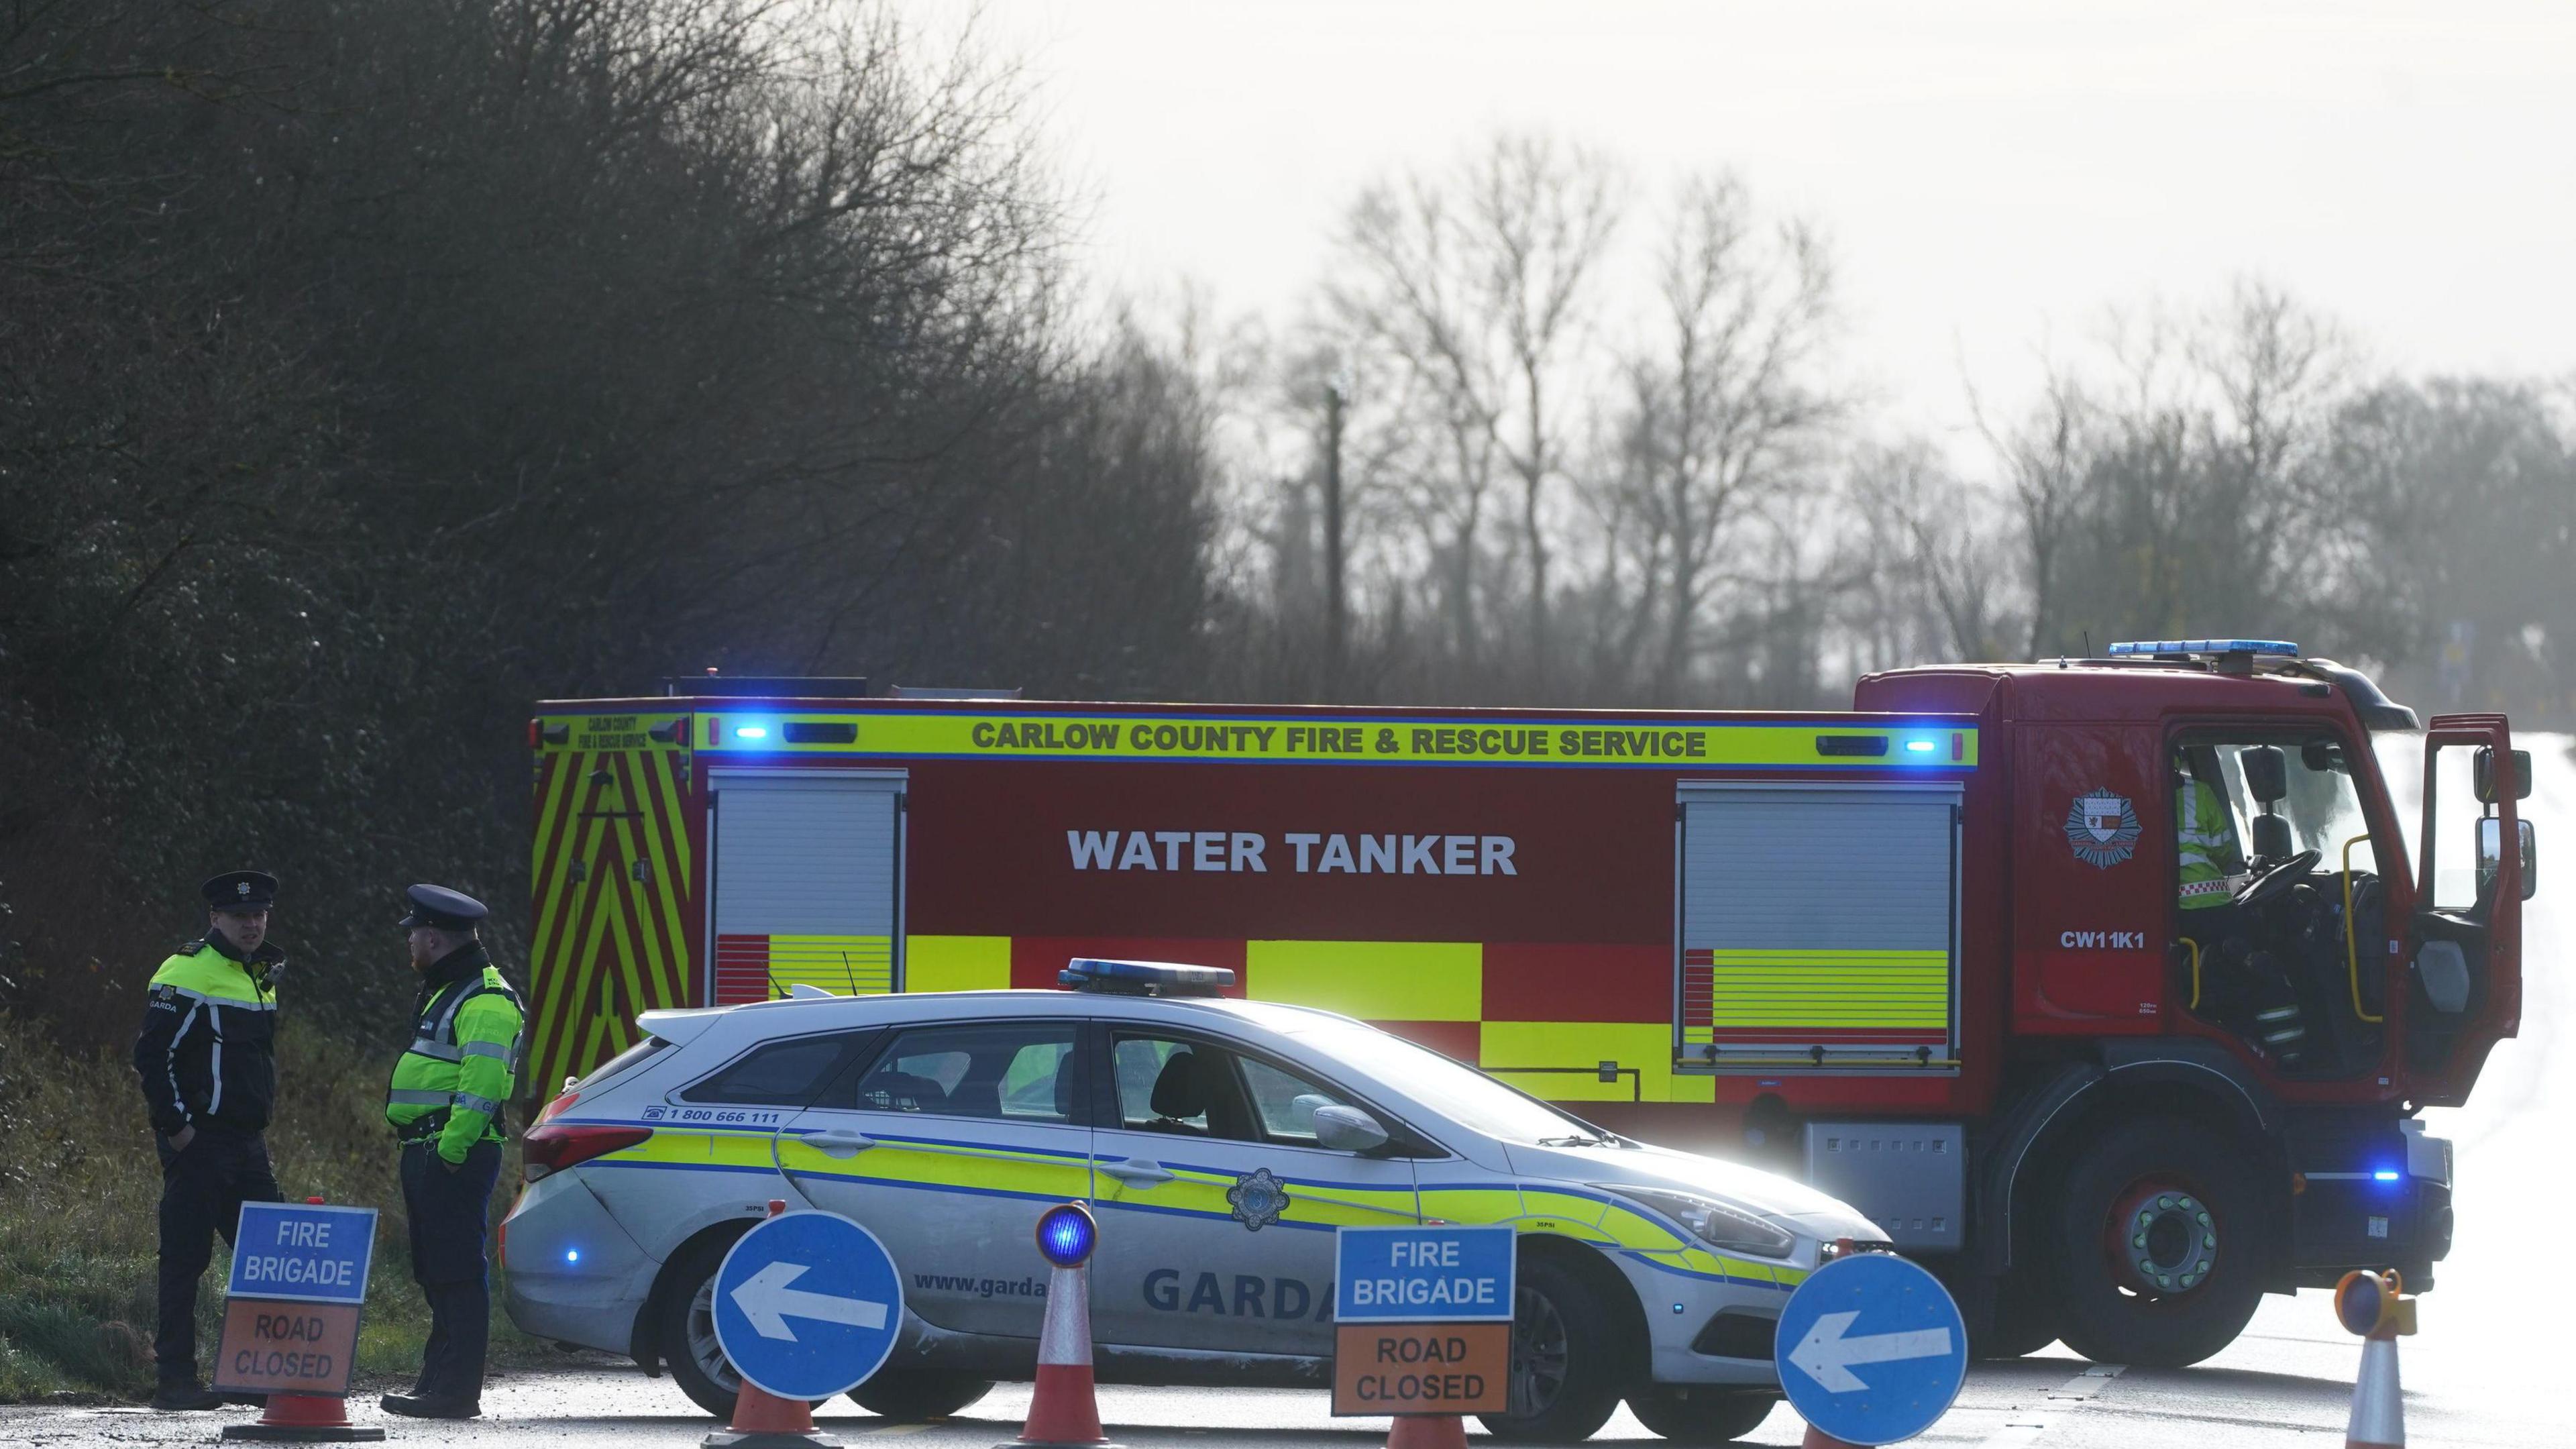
(1727, 399)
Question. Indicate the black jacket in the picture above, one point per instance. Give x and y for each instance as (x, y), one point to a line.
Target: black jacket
(206, 1056)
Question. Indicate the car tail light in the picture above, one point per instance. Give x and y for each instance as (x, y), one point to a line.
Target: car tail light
(554, 1146)
(561, 1104)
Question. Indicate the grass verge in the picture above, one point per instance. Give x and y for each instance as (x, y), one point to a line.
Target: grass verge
(79, 1189)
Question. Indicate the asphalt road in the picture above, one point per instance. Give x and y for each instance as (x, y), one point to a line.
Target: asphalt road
(2491, 1367)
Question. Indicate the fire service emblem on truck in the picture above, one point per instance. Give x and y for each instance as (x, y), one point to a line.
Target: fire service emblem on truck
(2103, 828)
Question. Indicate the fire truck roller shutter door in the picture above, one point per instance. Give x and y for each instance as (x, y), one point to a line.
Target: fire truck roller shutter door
(807, 883)
(1818, 925)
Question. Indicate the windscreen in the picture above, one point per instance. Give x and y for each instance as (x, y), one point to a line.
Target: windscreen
(1461, 1093)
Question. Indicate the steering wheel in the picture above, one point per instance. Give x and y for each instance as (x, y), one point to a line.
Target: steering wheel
(2271, 884)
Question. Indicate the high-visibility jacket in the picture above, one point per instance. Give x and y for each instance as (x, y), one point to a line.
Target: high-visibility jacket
(206, 1056)
(464, 1057)
(2212, 863)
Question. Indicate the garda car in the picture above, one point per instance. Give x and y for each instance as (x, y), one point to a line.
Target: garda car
(1219, 1142)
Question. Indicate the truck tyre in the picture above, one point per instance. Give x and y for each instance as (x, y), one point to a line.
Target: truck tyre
(1564, 1366)
(911, 1395)
(2157, 1245)
(688, 1328)
(1701, 1413)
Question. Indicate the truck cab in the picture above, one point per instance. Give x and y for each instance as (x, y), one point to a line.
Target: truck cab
(2229, 990)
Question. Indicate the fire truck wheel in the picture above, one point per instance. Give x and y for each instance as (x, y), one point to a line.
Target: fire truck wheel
(1564, 1365)
(1701, 1413)
(2154, 1246)
(919, 1394)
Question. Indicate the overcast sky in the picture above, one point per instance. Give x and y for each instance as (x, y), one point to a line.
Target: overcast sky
(1993, 175)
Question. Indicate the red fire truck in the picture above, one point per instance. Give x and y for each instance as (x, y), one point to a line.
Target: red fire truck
(2105, 985)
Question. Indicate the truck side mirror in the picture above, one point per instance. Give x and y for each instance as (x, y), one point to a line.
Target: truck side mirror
(2321, 756)
(2486, 781)
(1347, 1129)
(2491, 853)
(2267, 773)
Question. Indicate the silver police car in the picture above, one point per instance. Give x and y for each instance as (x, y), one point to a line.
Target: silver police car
(1219, 1141)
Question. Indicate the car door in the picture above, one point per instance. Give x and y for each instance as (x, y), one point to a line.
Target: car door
(947, 1143)
(1217, 1207)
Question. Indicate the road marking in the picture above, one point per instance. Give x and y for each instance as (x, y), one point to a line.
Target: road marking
(2024, 1426)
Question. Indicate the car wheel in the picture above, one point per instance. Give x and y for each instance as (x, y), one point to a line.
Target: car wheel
(688, 1331)
(2157, 1244)
(1564, 1369)
(912, 1395)
(1701, 1413)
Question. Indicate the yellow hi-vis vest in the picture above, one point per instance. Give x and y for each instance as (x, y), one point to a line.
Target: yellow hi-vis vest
(2212, 864)
(461, 1066)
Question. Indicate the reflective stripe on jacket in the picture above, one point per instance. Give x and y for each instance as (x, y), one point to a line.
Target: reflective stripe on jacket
(462, 1063)
(2205, 831)
(206, 1056)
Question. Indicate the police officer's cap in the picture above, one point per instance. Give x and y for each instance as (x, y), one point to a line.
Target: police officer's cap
(444, 909)
(240, 890)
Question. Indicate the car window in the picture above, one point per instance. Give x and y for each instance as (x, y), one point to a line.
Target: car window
(1284, 1105)
(1179, 1088)
(1012, 1071)
(785, 1073)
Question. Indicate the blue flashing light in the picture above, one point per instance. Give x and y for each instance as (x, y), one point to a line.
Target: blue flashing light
(1144, 978)
(2387, 1174)
(751, 732)
(1066, 1235)
(2149, 648)
(1918, 747)
(572, 1255)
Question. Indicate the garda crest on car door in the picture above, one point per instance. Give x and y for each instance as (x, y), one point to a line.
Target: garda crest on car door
(947, 1144)
(1217, 1206)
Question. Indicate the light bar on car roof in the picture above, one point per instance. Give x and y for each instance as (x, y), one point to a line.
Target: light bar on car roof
(1144, 978)
(2281, 647)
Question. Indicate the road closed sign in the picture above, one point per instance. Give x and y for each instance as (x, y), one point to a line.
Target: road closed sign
(1423, 1320)
(291, 1307)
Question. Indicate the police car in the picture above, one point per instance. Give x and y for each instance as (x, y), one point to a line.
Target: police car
(1219, 1142)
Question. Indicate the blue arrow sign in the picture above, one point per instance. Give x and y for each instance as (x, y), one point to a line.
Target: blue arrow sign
(1871, 1349)
(1424, 1275)
(301, 1251)
(807, 1305)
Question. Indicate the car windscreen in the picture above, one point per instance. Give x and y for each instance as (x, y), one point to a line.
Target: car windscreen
(1461, 1093)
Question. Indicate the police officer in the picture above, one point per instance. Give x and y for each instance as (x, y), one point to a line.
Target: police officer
(206, 1062)
(445, 1105)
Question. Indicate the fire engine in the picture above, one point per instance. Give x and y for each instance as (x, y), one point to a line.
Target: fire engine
(2105, 986)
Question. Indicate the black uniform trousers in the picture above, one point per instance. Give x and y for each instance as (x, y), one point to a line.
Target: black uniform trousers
(449, 1213)
(202, 1191)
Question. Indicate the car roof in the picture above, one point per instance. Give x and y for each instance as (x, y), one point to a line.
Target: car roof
(826, 1013)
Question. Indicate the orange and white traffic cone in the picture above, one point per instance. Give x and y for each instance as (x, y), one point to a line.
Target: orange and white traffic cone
(304, 1419)
(2378, 1412)
(1064, 1412)
(1819, 1439)
(763, 1420)
(1427, 1431)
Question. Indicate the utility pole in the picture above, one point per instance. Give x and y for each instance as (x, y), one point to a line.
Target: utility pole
(1333, 606)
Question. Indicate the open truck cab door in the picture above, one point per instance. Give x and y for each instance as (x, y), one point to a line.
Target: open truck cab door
(2463, 990)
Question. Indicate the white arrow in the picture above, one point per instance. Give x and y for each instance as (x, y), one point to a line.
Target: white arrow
(1827, 1356)
(768, 1302)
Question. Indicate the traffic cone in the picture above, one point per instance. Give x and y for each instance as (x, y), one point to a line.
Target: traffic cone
(763, 1420)
(1819, 1439)
(2378, 1412)
(304, 1419)
(1064, 1412)
(1427, 1431)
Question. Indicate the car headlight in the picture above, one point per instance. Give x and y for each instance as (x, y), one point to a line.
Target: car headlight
(1712, 1222)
